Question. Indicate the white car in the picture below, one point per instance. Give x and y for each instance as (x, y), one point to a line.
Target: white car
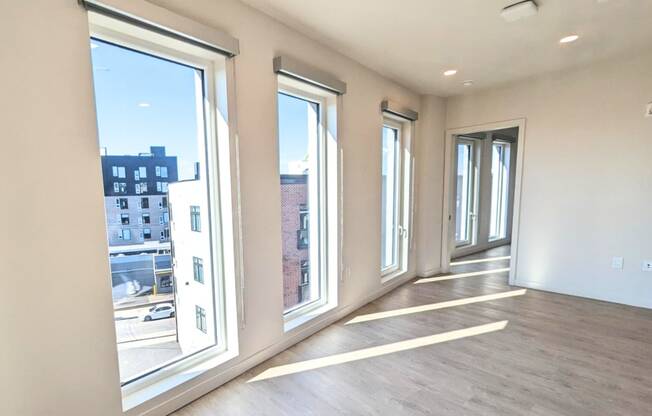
(161, 311)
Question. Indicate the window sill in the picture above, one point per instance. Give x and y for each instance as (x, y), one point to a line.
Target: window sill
(391, 276)
(307, 316)
(142, 391)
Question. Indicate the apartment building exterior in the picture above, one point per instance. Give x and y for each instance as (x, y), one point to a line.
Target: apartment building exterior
(135, 196)
(192, 265)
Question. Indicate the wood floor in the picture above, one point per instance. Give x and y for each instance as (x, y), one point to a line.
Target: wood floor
(557, 355)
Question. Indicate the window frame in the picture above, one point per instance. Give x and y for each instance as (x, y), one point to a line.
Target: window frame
(404, 194)
(325, 258)
(503, 198)
(472, 221)
(398, 205)
(223, 206)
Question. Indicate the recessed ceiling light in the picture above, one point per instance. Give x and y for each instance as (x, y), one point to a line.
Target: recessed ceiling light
(143, 104)
(569, 39)
(468, 83)
(450, 72)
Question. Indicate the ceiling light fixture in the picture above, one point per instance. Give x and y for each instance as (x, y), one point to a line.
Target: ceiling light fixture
(519, 11)
(468, 83)
(569, 39)
(450, 72)
(143, 104)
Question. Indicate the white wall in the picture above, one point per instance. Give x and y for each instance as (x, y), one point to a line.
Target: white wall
(430, 184)
(57, 348)
(587, 187)
(57, 319)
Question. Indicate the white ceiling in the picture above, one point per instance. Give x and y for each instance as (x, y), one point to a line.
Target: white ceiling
(414, 41)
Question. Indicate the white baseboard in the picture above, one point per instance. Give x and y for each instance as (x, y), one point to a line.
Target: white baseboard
(198, 389)
(563, 291)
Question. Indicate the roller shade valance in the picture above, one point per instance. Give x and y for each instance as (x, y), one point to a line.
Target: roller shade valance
(399, 110)
(304, 72)
(158, 19)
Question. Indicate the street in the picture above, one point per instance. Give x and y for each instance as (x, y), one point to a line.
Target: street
(143, 346)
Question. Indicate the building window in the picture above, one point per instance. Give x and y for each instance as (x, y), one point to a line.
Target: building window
(195, 219)
(125, 234)
(122, 203)
(200, 318)
(198, 269)
(191, 78)
(303, 143)
(119, 171)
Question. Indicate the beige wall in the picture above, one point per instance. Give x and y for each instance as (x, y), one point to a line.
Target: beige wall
(57, 322)
(430, 184)
(587, 181)
(57, 348)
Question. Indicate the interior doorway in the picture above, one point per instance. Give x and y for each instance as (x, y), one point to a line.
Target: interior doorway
(482, 190)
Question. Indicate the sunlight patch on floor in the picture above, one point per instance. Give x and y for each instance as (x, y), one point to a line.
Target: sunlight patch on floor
(460, 275)
(435, 306)
(378, 351)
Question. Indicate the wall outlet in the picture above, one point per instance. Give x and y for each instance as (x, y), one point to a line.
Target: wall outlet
(646, 266)
(648, 110)
(617, 263)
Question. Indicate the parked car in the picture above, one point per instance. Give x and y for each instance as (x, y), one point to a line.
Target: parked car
(161, 311)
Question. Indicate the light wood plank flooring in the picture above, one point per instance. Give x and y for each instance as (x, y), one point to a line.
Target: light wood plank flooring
(557, 355)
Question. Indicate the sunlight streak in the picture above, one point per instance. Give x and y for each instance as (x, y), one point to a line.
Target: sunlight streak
(459, 263)
(378, 351)
(460, 275)
(435, 306)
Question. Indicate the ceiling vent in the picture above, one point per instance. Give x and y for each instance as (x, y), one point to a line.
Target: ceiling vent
(519, 11)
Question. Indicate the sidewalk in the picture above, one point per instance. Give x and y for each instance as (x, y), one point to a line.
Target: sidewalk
(141, 301)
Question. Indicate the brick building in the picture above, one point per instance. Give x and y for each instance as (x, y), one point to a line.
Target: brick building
(294, 228)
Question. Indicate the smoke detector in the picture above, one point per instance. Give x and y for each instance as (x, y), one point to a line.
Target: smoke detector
(520, 10)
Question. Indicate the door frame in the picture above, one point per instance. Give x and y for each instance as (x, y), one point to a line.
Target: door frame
(448, 209)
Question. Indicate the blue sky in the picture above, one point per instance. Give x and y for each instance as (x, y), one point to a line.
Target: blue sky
(144, 101)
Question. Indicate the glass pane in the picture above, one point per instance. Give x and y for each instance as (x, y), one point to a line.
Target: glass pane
(298, 123)
(463, 197)
(499, 190)
(150, 120)
(389, 198)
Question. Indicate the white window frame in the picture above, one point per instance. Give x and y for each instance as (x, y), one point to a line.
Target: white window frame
(474, 189)
(324, 256)
(403, 195)
(223, 189)
(503, 181)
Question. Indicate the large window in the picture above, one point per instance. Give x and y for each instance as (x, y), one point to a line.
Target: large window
(157, 110)
(390, 227)
(465, 215)
(500, 157)
(307, 172)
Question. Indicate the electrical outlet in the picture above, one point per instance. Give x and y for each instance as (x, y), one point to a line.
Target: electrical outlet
(648, 110)
(617, 263)
(646, 266)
